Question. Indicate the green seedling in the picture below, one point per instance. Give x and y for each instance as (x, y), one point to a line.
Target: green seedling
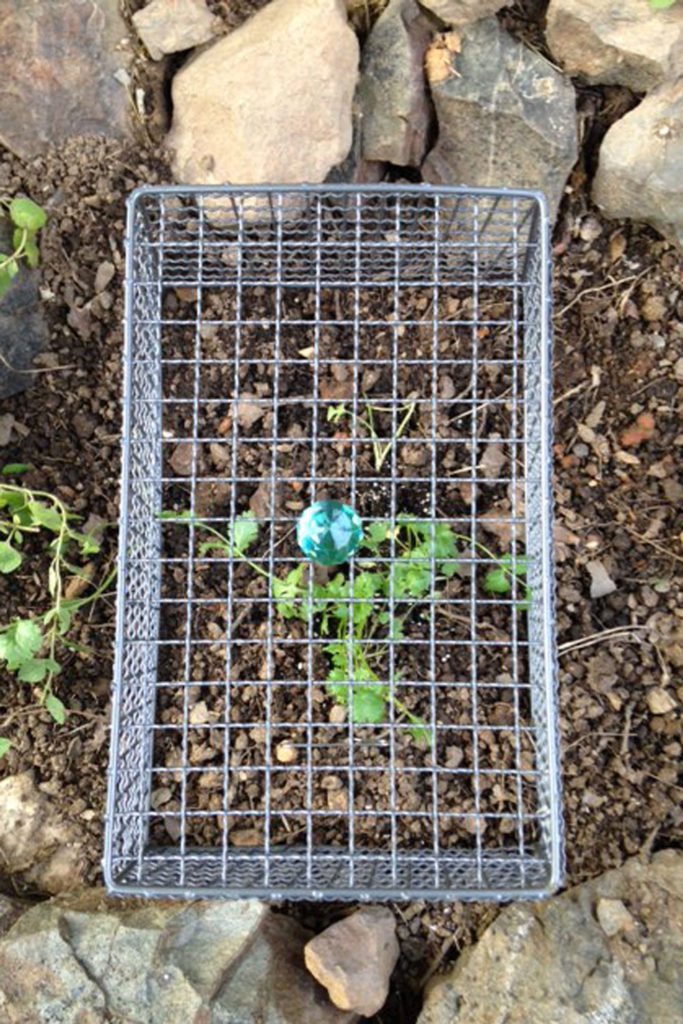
(661, 5)
(27, 219)
(30, 647)
(361, 616)
(380, 451)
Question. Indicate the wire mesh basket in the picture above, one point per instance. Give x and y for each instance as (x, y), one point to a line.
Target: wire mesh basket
(386, 347)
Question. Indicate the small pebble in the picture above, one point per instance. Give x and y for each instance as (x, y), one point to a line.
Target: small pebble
(286, 752)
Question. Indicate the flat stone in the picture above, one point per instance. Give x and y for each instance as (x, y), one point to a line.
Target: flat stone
(354, 958)
(462, 12)
(271, 985)
(269, 103)
(639, 170)
(506, 116)
(627, 43)
(37, 847)
(23, 331)
(554, 963)
(85, 959)
(393, 95)
(169, 26)
(59, 60)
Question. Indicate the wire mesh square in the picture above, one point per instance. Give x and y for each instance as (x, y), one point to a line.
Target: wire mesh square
(387, 347)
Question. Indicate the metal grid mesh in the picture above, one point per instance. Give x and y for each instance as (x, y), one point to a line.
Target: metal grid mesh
(251, 313)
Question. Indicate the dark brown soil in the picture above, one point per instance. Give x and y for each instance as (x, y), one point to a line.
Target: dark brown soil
(618, 310)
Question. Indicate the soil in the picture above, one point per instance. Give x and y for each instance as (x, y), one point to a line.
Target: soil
(618, 308)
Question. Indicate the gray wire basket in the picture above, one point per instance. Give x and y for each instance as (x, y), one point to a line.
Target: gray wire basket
(388, 347)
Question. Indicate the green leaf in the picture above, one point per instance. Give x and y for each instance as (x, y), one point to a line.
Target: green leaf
(375, 536)
(497, 581)
(32, 254)
(28, 636)
(5, 746)
(244, 532)
(661, 5)
(214, 545)
(368, 706)
(46, 515)
(19, 236)
(27, 214)
(15, 468)
(336, 412)
(19, 642)
(35, 670)
(88, 544)
(10, 558)
(55, 707)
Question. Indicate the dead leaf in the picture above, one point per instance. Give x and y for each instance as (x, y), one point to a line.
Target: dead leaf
(78, 584)
(595, 415)
(617, 247)
(439, 64)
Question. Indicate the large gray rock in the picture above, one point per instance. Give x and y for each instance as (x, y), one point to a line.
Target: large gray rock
(641, 156)
(625, 43)
(38, 849)
(269, 103)
(506, 116)
(462, 12)
(607, 952)
(393, 96)
(59, 59)
(86, 959)
(168, 26)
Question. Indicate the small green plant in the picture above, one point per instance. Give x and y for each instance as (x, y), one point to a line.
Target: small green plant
(336, 413)
(661, 5)
(27, 219)
(30, 646)
(362, 615)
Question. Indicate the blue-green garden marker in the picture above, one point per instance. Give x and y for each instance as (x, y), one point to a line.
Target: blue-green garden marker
(329, 532)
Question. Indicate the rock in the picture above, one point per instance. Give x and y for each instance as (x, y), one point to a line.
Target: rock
(23, 331)
(553, 963)
(462, 12)
(354, 958)
(10, 910)
(641, 155)
(506, 116)
(393, 96)
(659, 701)
(85, 959)
(271, 102)
(602, 583)
(272, 984)
(59, 60)
(627, 43)
(37, 847)
(613, 917)
(104, 276)
(168, 26)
